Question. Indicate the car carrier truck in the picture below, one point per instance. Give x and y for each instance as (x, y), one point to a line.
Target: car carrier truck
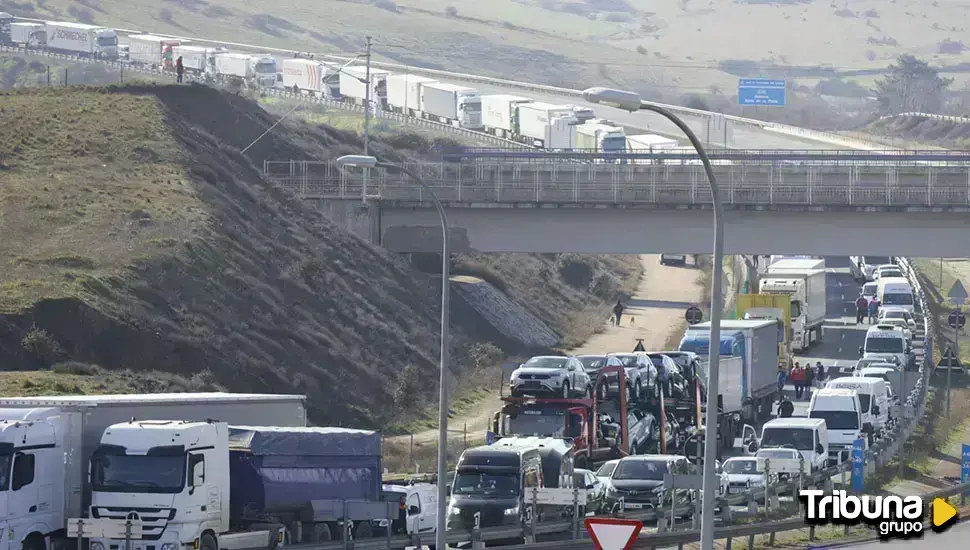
(803, 280)
(232, 487)
(748, 370)
(48, 442)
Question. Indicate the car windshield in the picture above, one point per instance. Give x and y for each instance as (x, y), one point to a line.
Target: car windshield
(546, 363)
(746, 467)
(798, 438)
(550, 423)
(897, 299)
(628, 360)
(486, 484)
(877, 260)
(894, 314)
(606, 470)
(138, 473)
(592, 363)
(874, 344)
(837, 420)
(653, 470)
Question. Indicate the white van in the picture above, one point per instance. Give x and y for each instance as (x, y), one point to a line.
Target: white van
(418, 509)
(888, 343)
(893, 382)
(895, 292)
(808, 436)
(842, 412)
(872, 398)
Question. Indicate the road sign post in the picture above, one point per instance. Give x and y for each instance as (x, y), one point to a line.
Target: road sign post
(958, 296)
(693, 315)
(964, 469)
(613, 534)
(762, 91)
(858, 465)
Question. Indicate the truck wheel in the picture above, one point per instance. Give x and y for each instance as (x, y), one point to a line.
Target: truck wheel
(208, 542)
(321, 533)
(363, 530)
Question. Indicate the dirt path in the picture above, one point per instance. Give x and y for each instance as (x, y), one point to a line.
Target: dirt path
(654, 312)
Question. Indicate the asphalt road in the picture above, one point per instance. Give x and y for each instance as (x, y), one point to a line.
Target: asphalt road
(955, 537)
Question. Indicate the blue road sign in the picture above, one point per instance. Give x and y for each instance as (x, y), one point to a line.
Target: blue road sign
(762, 91)
(965, 464)
(858, 464)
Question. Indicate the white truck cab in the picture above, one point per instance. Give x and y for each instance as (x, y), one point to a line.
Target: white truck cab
(841, 410)
(887, 342)
(872, 398)
(808, 436)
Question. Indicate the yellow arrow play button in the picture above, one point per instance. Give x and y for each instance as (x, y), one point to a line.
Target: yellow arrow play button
(942, 512)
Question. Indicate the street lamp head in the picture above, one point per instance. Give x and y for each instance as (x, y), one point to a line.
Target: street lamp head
(360, 161)
(622, 99)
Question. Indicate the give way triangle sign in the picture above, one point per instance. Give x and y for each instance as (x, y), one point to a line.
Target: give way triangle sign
(613, 534)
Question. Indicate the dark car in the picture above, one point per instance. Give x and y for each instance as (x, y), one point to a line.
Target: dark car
(638, 483)
(676, 385)
(594, 363)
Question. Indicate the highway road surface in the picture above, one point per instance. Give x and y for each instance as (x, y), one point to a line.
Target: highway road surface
(953, 538)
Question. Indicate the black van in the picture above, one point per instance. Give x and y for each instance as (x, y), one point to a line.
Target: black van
(491, 481)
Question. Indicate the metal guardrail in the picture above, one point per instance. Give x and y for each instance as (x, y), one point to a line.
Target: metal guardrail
(742, 185)
(284, 94)
(891, 157)
(931, 116)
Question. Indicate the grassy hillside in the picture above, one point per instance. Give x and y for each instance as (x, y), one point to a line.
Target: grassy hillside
(139, 239)
(670, 48)
(917, 131)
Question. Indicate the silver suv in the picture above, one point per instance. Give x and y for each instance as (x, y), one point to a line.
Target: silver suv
(553, 375)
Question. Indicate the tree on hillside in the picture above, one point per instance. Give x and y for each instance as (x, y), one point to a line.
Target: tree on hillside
(911, 86)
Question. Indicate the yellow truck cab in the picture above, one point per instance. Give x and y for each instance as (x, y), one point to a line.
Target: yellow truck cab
(771, 306)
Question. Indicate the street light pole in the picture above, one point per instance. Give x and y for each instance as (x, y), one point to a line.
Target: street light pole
(368, 162)
(631, 102)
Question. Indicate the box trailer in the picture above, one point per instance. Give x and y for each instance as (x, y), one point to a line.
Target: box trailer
(404, 93)
(307, 75)
(547, 126)
(152, 51)
(500, 114)
(451, 104)
(5, 21)
(600, 138)
(804, 281)
(28, 35)
(82, 40)
(196, 59)
(64, 431)
(353, 88)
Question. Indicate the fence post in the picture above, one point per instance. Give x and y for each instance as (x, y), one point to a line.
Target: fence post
(65, 77)
(48, 76)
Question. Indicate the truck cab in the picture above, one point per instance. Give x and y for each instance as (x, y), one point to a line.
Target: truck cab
(808, 436)
(265, 71)
(491, 483)
(803, 280)
(841, 410)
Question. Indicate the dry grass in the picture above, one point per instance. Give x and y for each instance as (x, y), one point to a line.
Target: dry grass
(919, 132)
(140, 239)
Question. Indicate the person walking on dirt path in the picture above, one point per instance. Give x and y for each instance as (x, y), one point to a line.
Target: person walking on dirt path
(179, 70)
(873, 311)
(618, 311)
(861, 305)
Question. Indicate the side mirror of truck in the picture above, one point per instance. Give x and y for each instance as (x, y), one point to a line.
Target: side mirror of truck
(819, 449)
(875, 409)
(861, 352)
(753, 447)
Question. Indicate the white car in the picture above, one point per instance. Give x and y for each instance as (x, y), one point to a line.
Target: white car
(742, 473)
(891, 312)
(901, 323)
(887, 271)
(869, 291)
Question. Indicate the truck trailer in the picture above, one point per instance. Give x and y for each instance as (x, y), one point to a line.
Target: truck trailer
(404, 93)
(600, 138)
(308, 75)
(771, 306)
(803, 280)
(546, 126)
(748, 370)
(354, 89)
(5, 21)
(196, 59)
(451, 104)
(152, 51)
(82, 40)
(28, 35)
(500, 114)
(55, 437)
(314, 483)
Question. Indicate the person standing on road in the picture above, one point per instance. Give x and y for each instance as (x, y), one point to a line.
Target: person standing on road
(820, 373)
(786, 409)
(782, 379)
(809, 379)
(797, 377)
(873, 311)
(179, 70)
(861, 305)
(618, 311)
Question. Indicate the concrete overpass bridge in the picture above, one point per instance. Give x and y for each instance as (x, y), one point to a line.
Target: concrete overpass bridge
(891, 205)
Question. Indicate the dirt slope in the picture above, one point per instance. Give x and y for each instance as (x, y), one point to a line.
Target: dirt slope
(138, 238)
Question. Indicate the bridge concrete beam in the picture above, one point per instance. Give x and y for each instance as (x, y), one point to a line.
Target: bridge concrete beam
(613, 230)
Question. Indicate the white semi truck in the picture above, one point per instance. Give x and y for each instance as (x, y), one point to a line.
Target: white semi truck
(354, 89)
(600, 138)
(404, 93)
(500, 116)
(153, 51)
(82, 40)
(228, 487)
(5, 21)
(316, 78)
(196, 59)
(547, 126)
(451, 104)
(28, 35)
(46, 444)
(254, 71)
(804, 281)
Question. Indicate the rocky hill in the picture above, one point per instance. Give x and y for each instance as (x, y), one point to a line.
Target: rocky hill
(139, 239)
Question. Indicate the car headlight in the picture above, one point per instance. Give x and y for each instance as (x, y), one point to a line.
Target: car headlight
(96, 545)
(168, 546)
(512, 511)
(452, 511)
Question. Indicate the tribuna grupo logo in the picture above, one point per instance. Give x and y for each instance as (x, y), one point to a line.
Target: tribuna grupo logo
(891, 516)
